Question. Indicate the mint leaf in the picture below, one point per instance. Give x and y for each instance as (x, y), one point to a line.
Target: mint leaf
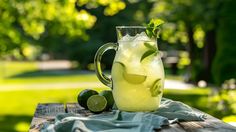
(152, 29)
(155, 22)
(149, 32)
(151, 50)
(150, 46)
(146, 54)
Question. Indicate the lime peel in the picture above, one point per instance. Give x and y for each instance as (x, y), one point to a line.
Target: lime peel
(156, 88)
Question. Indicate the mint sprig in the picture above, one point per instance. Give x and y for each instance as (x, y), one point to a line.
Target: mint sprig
(152, 29)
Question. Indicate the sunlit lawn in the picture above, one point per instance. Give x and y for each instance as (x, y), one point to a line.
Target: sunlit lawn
(28, 72)
(17, 107)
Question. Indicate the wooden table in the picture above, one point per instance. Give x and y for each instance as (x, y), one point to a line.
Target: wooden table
(47, 112)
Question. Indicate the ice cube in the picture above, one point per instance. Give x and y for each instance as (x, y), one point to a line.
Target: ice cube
(127, 37)
(135, 67)
(141, 37)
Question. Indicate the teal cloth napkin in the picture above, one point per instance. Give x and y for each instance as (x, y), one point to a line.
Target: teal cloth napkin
(121, 121)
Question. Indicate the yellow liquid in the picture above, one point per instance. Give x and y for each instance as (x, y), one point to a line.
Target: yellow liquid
(133, 79)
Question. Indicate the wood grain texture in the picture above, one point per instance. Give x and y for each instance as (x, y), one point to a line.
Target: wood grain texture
(210, 124)
(77, 109)
(172, 128)
(47, 112)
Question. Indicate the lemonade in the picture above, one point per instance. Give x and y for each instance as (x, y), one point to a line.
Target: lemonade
(137, 74)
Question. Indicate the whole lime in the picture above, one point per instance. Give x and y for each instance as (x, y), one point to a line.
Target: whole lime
(109, 97)
(84, 95)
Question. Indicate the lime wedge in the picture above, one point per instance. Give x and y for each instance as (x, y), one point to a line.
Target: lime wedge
(117, 70)
(134, 78)
(156, 88)
(130, 78)
(97, 103)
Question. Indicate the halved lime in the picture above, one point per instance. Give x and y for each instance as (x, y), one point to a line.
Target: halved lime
(156, 88)
(84, 95)
(97, 103)
(109, 97)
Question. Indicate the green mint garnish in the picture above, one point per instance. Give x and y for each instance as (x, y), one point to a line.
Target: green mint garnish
(150, 46)
(146, 54)
(156, 88)
(151, 50)
(153, 28)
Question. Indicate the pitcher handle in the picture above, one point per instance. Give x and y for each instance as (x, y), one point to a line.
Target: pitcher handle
(97, 62)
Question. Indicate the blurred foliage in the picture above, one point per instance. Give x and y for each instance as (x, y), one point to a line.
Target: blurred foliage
(52, 24)
(224, 63)
(189, 22)
(224, 99)
(75, 29)
(184, 14)
(112, 7)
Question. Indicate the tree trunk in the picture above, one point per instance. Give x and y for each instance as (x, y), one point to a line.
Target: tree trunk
(191, 50)
(209, 54)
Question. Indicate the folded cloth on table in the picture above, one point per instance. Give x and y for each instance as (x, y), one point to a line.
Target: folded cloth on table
(120, 121)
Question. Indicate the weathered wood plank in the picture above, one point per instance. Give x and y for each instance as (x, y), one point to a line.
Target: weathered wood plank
(172, 128)
(77, 109)
(210, 124)
(45, 113)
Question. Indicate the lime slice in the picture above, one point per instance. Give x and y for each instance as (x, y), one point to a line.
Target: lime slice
(84, 95)
(109, 97)
(117, 70)
(156, 88)
(130, 78)
(134, 78)
(97, 103)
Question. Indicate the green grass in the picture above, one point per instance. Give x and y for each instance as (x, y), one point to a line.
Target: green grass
(50, 79)
(17, 108)
(28, 73)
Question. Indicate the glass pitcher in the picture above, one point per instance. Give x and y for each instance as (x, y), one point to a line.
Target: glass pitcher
(137, 76)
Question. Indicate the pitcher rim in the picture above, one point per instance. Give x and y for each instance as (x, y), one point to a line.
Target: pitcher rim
(141, 27)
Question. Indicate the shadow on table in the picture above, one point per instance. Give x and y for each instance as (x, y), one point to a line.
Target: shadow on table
(14, 123)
